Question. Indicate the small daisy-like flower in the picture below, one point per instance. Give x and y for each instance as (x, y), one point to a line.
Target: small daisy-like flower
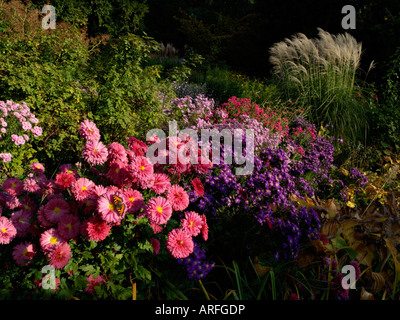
(161, 183)
(55, 209)
(97, 229)
(60, 256)
(13, 186)
(159, 210)
(180, 243)
(68, 227)
(65, 179)
(107, 209)
(23, 253)
(49, 239)
(116, 151)
(21, 220)
(7, 231)
(178, 198)
(37, 167)
(192, 223)
(134, 200)
(89, 131)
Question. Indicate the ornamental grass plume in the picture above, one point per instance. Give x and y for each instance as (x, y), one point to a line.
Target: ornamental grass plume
(322, 73)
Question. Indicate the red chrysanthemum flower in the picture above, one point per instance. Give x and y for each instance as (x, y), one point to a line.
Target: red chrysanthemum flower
(198, 187)
(180, 243)
(178, 198)
(60, 255)
(97, 229)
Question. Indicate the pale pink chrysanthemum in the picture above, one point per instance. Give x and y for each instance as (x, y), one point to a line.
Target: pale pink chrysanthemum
(134, 200)
(13, 186)
(30, 185)
(159, 210)
(7, 231)
(23, 253)
(93, 282)
(55, 209)
(116, 151)
(204, 228)
(49, 239)
(37, 167)
(89, 131)
(97, 229)
(192, 223)
(64, 179)
(155, 244)
(21, 220)
(60, 256)
(178, 197)
(98, 191)
(95, 153)
(82, 188)
(107, 209)
(146, 183)
(68, 226)
(180, 243)
(161, 183)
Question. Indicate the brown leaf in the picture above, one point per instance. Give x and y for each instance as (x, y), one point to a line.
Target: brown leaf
(365, 295)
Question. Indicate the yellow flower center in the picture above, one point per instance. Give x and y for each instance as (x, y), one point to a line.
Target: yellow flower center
(21, 219)
(131, 199)
(95, 151)
(180, 242)
(116, 170)
(25, 252)
(110, 206)
(69, 226)
(53, 240)
(84, 188)
(142, 168)
(159, 209)
(56, 210)
(191, 224)
(13, 185)
(4, 230)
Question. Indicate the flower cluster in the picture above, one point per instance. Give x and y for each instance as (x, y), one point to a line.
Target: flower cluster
(196, 264)
(13, 118)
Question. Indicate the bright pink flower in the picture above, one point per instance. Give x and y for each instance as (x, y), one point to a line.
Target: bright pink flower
(161, 183)
(192, 223)
(31, 185)
(23, 253)
(95, 153)
(159, 210)
(156, 228)
(134, 200)
(155, 244)
(97, 229)
(141, 168)
(180, 243)
(178, 197)
(55, 209)
(93, 282)
(137, 146)
(65, 179)
(98, 190)
(13, 186)
(116, 151)
(204, 228)
(198, 187)
(7, 231)
(68, 227)
(37, 167)
(89, 131)
(107, 209)
(49, 239)
(60, 256)
(82, 188)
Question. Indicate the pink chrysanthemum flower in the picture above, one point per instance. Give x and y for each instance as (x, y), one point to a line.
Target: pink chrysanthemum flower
(159, 210)
(64, 180)
(204, 228)
(82, 188)
(93, 282)
(13, 186)
(60, 256)
(134, 200)
(141, 168)
(49, 239)
(68, 227)
(155, 244)
(42, 218)
(178, 198)
(98, 191)
(55, 209)
(161, 183)
(12, 202)
(198, 187)
(116, 151)
(179, 243)
(23, 253)
(107, 208)
(95, 153)
(97, 229)
(7, 231)
(192, 223)
(156, 228)
(31, 185)
(37, 167)
(21, 220)
(89, 131)
(138, 147)
(117, 172)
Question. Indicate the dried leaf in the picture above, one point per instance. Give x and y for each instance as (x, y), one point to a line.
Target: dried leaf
(365, 295)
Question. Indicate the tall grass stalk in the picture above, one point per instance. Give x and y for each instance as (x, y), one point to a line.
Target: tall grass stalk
(322, 73)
